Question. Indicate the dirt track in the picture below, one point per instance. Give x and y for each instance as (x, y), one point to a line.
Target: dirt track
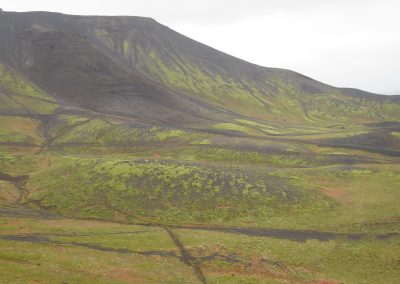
(287, 234)
(45, 239)
(184, 255)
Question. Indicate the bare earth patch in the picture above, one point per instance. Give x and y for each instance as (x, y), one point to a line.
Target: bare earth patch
(328, 282)
(125, 275)
(337, 193)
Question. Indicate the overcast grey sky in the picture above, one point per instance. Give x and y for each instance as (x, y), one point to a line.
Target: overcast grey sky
(346, 43)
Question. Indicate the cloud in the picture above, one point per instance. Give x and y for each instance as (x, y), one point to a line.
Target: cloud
(178, 11)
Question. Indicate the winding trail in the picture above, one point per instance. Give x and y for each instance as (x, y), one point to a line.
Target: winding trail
(184, 254)
(284, 234)
(290, 234)
(187, 258)
(45, 239)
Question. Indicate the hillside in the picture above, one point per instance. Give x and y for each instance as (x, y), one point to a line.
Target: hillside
(141, 54)
(130, 153)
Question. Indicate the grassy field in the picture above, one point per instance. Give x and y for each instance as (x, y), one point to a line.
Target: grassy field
(205, 208)
(93, 198)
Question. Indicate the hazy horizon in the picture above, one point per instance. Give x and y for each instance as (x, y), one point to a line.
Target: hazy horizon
(342, 44)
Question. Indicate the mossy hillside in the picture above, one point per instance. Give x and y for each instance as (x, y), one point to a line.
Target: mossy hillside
(125, 47)
(62, 124)
(23, 104)
(288, 104)
(267, 128)
(35, 105)
(8, 105)
(273, 94)
(198, 151)
(169, 191)
(24, 94)
(328, 135)
(191, 80)
(209, 153)
(395, 134)
(16, 84)
(103, 132)
(18, 129)
(9, 194)
(296, 106)
(286, 129)
(347, 109)
(332, 105)
(162, 134)
(237, 128)
(7, 136)
(107, 39)
(286, 101)
(16, 163)
(112, 137)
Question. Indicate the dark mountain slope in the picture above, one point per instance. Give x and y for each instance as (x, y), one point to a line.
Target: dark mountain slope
(138, 67)
(68, 67)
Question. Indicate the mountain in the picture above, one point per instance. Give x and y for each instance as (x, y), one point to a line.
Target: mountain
(137, 67)
(131, 153)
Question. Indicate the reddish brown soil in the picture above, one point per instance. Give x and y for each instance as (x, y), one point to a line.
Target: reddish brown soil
(156, 156)
(125, 275)
(337, 193)
(327, 282)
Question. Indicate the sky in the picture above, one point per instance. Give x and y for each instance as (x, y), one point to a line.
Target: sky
(345, 43)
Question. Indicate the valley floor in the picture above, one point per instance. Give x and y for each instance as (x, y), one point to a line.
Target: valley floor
(59, 250)
(86, 198)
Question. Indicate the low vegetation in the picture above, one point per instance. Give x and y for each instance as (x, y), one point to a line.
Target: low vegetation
(221, 172)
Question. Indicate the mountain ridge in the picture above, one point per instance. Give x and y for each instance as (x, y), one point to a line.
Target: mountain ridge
(154, 21)
(136, 67)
